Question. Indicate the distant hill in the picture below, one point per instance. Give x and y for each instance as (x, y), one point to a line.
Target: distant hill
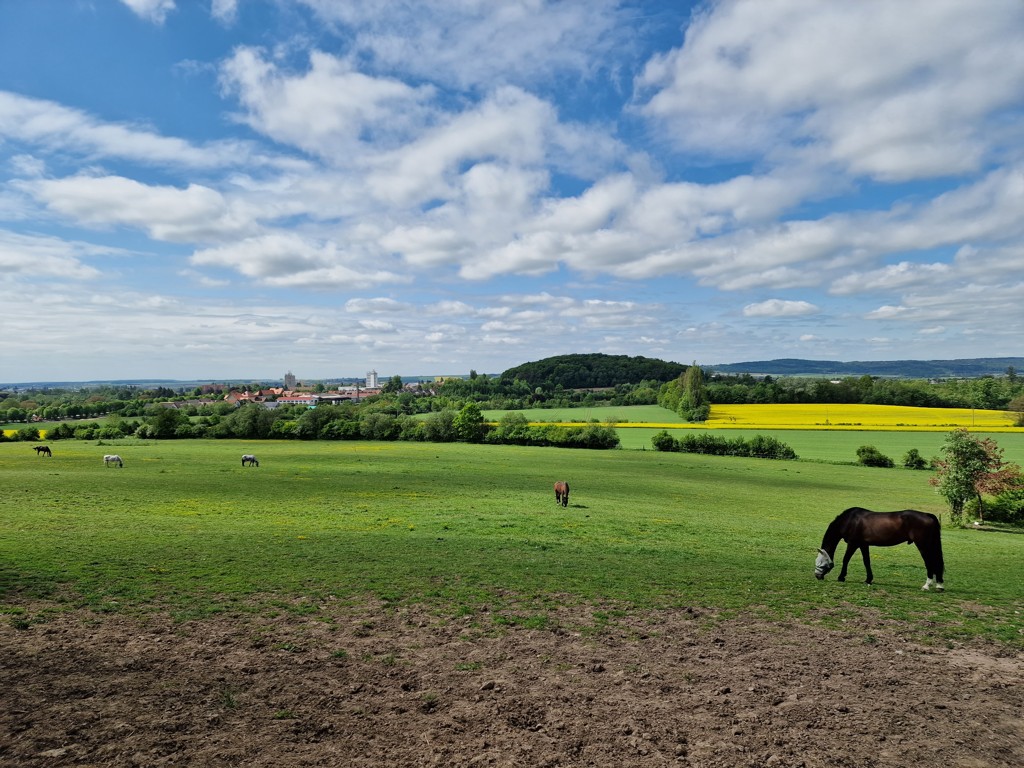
(580, 371)
(906, 369)
(593, 371)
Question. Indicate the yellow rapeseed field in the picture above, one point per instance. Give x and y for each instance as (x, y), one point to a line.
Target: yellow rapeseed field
(882, 417)
(840, 417)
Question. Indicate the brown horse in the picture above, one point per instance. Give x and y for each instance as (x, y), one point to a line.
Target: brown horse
(861, 528)
(42, 450)
(562, 493)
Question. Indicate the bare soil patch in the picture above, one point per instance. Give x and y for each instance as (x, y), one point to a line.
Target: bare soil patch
(377, 686)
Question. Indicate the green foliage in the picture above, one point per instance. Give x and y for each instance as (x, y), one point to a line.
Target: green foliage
(592, 370)
(693, 402)
(28, 434)
(970, 468)
(758, 446)
(914, 460)
(1007, 507)
(163, 422)
(516, 431)
(663, 441)
(1016, 405)
(439, 427)
(469, 423)
(870, 456)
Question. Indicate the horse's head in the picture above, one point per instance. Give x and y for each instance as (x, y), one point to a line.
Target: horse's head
(823, 564)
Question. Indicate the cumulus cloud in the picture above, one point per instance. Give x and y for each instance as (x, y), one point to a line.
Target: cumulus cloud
(894, 91)
(326, 110)
(225, 11)
(891, 278)
(166, 213)
(54, 127)
(780, 308)
(31, 257)
(151, 10)
(476, 44)
(290, 260)
(473, 166)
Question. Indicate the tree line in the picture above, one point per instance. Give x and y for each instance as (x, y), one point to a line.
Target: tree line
(585, 381)
(379, 418)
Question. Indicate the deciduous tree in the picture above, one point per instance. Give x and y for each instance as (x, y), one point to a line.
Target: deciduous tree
(971, 468)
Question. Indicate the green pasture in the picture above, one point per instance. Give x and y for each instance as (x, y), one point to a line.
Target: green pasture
(653, 414)
(472, 530)
(833, 445)
(837, 445)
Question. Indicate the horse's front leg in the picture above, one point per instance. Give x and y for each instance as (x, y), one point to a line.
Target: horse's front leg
(850, 549)
(867, 564)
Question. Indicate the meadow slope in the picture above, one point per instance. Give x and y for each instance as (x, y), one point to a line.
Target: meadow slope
(382, 604)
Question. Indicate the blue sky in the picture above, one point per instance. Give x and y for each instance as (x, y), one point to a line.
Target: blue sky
(238, 188)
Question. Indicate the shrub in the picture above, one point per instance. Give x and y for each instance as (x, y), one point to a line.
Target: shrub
(759, 446)
(28, 434)
(663, 441)
(870, 456)
(1007, 507)
(914, 460)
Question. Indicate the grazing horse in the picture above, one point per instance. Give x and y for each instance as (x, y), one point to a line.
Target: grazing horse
(112, 459)
(250, 460)
(862, 528)
(42, 450)
(562, 493)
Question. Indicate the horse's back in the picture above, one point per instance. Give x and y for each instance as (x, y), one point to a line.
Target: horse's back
(888, 528)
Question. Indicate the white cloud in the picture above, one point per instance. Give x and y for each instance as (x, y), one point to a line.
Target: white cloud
(55, 128)
(32, 257)
(166, 213)
(326, 110)
(508, 127)
(151, 10)
(780, 308)
(889, 90)
(225, 11)
(886, 312)
(289, 260)
(377, 305)
(468, 43)
(891, 278)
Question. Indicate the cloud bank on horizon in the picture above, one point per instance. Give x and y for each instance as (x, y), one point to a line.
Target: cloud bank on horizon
(236, 188)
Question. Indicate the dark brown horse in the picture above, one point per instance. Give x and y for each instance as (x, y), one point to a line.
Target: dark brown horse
(861, 528)
(42, 450)
(562, 493)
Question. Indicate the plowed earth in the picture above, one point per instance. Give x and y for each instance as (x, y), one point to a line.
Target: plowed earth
(378, 686)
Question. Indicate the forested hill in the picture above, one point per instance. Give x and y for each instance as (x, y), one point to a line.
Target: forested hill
(907, 369)
(583, 371)
(593, 370)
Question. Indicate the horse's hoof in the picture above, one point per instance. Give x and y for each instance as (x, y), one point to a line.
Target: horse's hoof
(841, 578)
(925, 588)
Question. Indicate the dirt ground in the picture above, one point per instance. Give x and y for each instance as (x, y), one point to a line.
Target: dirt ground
(405, 687)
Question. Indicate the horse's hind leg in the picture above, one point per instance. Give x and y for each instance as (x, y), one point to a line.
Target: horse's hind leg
(867, 563)
(933, 565)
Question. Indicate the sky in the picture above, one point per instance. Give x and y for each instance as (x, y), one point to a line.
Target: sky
(234, 189)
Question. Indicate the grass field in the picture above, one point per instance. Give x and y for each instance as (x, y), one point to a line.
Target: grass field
(470, 529)
(818, 432)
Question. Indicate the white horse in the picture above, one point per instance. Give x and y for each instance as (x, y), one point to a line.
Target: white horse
(112, 459)
(250, 460)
